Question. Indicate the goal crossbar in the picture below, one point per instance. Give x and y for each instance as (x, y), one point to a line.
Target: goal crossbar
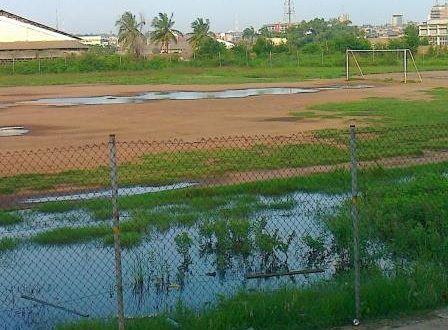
(407, 55)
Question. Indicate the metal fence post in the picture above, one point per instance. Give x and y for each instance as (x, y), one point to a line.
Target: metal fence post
(116, 231)
(355, 221)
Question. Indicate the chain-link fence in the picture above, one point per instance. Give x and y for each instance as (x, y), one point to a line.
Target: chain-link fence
(178, 230)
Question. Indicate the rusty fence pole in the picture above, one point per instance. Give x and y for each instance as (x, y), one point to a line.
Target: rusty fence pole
(355, 221)
(116, 231)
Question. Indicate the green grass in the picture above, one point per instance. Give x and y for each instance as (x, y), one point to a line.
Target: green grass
(166, 167)
(70, 235)
(332, 304)
(391, 112)
(177, 76)
(142, 220)
(191, 206)
(185, 208)
(156, 323)
(41, 182)
(192, 201)
(8, 244)
(408, 216)
(283, 68)
(387, 140)
(127, 239)
(9, 219)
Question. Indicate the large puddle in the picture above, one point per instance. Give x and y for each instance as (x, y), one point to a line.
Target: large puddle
(185, 95)
(130, 191)
(194, 264)
(13, 131)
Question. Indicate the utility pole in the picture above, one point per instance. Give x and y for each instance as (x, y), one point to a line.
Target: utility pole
(289, 10)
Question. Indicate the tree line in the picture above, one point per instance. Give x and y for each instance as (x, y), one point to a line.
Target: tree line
(317, 36)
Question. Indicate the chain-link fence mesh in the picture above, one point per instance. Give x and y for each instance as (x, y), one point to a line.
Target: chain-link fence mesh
(202, 222)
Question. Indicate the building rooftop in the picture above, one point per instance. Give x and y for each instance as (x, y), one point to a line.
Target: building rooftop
(41, 45)
(42, 26)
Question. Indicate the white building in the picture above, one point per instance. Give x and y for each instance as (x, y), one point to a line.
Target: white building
(228, 44)
(21, 38)
(436, 28)
(344, 18)
(99, 40)
(230, 36)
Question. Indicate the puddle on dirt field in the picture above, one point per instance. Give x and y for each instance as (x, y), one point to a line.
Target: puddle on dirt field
(13, 131)
(185, 95)
(167, 267)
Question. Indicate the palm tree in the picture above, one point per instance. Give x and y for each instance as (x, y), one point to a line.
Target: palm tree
(249, 34)
(201, 32)
(130, 35)
(163, 31)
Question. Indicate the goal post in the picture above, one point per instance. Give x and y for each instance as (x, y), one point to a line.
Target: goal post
(405, 54)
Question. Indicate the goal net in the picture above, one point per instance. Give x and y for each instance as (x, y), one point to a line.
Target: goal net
(391, 62)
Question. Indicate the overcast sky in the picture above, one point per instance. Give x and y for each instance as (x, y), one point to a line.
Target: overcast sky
(95, 16)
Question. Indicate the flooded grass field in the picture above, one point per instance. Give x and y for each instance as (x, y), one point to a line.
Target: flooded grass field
(225, 248)
(212, 250)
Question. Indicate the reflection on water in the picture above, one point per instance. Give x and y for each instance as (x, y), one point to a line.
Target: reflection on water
(129, 191)
(185, 95)
(13, 131)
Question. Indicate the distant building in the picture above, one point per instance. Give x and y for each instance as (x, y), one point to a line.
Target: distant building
(382, 33)
(230, 36)
(397, 20)
(344, 18)
(278, 41)
(228, 44)
(439, 12)
(99, 40)
(277, 27)
(182, 47)
(21, 38)
(436, 28)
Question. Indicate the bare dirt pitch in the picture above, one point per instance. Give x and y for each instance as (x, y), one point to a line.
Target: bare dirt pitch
(188, 120)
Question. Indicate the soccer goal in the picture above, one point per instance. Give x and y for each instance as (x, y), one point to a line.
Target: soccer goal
(381, 61)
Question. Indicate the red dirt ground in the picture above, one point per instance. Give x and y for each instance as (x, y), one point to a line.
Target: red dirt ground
(187, 120)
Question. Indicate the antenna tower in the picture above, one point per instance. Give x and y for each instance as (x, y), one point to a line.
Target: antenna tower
(289, 10)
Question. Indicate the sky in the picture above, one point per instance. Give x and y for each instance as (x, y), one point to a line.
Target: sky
(99, 16)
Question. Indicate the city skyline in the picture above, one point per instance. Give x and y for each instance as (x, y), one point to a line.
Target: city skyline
(84, 17)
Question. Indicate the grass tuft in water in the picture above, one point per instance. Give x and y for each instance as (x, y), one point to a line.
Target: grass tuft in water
(9, 219)
(71, 235)
(8, 244)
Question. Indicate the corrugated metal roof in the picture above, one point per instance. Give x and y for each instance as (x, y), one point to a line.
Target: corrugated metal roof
(42, 26)
(41, 45)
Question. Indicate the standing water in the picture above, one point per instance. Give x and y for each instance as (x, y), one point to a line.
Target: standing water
(185, 95)
(193, 264)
